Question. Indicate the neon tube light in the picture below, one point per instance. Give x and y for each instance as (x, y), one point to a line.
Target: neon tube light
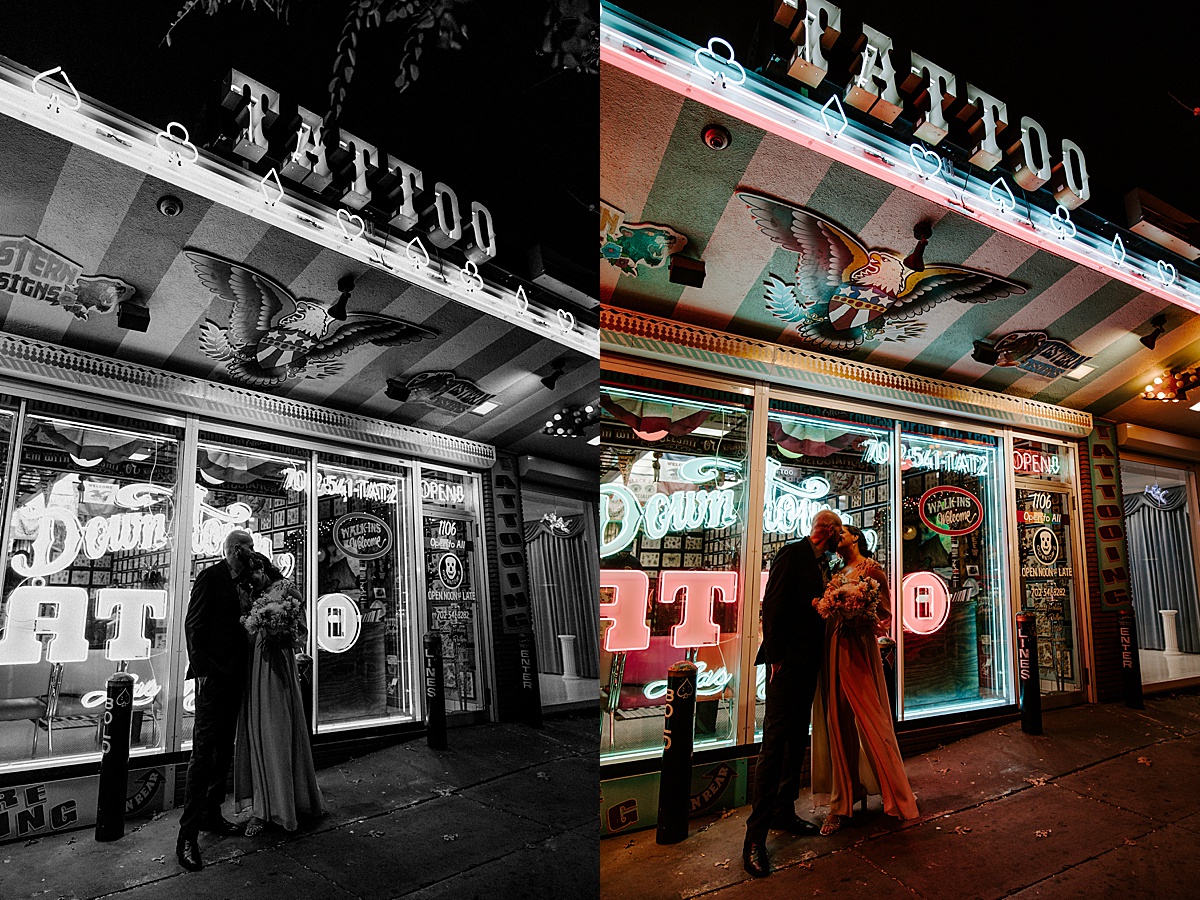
(669, 62)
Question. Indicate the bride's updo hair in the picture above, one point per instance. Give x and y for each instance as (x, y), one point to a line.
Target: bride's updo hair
(862, 540)
(256, 562)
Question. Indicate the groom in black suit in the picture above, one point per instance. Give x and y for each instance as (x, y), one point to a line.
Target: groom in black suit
(217, 647)
(792, 648)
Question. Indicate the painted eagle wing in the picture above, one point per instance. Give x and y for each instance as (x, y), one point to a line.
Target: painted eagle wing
(214, 343)
(828, 254)
(256, 298)
(822, 333)
(924, 290)
(362, 328)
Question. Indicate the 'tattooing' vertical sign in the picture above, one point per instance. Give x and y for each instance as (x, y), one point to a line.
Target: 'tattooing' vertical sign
(1112, 555)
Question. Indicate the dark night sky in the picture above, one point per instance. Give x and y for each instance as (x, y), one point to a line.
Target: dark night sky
(1100, 74)
(493, 121)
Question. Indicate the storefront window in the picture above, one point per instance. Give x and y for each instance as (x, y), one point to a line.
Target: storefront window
(88, 585)
(672, 518)
(248, 486)
(560, 540)
(363, 618)
(449, 529)
(1159, 521)
(952, 599)
(818, 458)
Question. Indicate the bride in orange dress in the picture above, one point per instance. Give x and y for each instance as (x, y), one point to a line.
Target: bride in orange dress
(854, 749)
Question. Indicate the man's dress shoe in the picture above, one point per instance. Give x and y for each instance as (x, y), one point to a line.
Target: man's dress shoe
(187, 851)
(794, 825)
(221, 826)
(755, 859)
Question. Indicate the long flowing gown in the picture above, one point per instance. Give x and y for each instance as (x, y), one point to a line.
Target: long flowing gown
(854, 749)
(273, 773)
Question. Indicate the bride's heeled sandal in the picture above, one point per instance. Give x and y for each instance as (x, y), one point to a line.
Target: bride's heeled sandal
(253, 828)
(832, 824)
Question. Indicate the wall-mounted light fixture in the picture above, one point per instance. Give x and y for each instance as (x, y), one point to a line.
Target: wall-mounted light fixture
(922, 231)
(1159, 324)
(132, 316)
(983, 352)
(345, 285)
(397, 390)
(556, 372)
(686, 271)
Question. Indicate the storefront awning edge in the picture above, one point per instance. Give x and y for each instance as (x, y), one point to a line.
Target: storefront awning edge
(63, 368)
(123, 139)
(669, 341)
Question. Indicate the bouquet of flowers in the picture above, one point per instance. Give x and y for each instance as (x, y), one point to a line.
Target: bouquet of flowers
(278, 618)
(850, 599)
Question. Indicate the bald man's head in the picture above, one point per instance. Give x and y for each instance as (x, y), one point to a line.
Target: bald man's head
(826, 529)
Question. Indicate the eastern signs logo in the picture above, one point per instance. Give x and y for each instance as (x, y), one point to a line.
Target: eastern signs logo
(31, 269)
(273, 337)
(1038, 353)
(445, 390)
(846, 293)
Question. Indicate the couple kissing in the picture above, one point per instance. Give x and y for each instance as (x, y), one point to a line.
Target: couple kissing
(819, 645)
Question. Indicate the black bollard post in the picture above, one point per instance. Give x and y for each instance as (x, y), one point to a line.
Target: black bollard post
(117, 728)
(530, 687)
(435, 692)
(675, 781)
(887, 653)
(1131, 664)
(1027, 674)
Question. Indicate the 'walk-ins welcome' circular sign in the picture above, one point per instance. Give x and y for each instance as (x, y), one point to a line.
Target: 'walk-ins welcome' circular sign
(362, 535)
(950, 510)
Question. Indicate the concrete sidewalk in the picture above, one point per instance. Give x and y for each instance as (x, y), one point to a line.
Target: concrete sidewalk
(1105, 803)
(507, 811)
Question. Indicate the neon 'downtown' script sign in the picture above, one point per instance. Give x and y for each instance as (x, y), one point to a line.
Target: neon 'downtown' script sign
(788, 508)
(35, 609)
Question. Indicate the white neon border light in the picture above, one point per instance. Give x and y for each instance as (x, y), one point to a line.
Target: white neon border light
(670, 62)
(39, 101)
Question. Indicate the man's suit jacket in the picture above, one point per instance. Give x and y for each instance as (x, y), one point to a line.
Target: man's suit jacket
(793, 632)
(216, 639)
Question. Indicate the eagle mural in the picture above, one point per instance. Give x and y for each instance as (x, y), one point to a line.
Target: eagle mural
(273, 336)
(846, 293)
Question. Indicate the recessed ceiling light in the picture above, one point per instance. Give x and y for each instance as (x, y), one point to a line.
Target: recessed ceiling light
(595, 442)
(484, 408)
(1081, 372)
(1196, 407)
(139, 456)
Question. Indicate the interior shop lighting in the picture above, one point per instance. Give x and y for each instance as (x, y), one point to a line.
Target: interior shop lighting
(485, 407)
(1080, 372)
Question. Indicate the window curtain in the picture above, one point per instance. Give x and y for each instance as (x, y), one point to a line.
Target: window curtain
(1162, 569)
(560, 563)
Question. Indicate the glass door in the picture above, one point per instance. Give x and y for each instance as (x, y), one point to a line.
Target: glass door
(451, 593)
(1046, 551)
